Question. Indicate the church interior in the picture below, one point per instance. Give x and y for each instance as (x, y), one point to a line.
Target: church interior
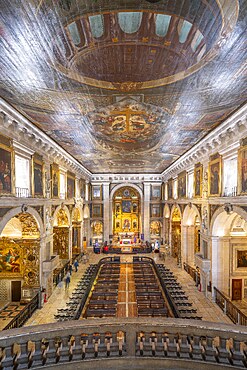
(123, 183)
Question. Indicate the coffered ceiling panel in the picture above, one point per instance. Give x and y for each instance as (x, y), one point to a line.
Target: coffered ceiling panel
(124, 86)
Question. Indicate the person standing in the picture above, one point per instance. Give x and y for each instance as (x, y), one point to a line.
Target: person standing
(70, 269)
(76, 264)
(67, 280)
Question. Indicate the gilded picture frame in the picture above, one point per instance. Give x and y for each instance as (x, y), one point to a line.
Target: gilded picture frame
(170, 188)
(198, 173)
(82, 186)
(156, 192)
(55, 180)
(242, 170)
(70, 186)
(182, 184)
(97, 210)
(96, 192)
(215, 176)
(37, 178)
(6, 170)
(11, 262)
(155, 210)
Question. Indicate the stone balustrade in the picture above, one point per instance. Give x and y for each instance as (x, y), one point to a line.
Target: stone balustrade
(125, 344)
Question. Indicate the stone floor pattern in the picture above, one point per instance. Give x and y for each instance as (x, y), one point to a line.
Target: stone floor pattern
(205, 307)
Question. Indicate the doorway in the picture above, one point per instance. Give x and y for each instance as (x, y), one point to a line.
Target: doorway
(236, 289)
(15, 291)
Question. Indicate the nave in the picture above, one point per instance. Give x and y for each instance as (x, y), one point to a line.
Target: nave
(208, 310)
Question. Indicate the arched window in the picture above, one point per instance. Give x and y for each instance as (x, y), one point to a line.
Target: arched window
(162, 24)
(97, 25)
(74, 33)
(129, 22)
(184, 31)
(196, 40)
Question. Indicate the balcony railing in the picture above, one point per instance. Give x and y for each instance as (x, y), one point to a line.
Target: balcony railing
(99, 343)
(229, 308)
(192, 272)
(22, 192)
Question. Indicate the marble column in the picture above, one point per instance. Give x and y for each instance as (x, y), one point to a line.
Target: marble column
(106, 212)
(146, 211)
(188, 244)
(221, 264)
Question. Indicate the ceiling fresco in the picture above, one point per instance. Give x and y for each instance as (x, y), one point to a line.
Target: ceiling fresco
(124, 86)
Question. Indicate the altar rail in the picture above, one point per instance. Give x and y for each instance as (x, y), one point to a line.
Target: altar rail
(81, 343)
(233, 312)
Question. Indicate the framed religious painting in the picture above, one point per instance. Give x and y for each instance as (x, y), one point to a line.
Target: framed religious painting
(242, 170)
(170, 188)
(198, 170)
(38, 176)
(126, 206)
(96, 192)
(82, 186)
(156, 192)
(6, 170)
(96, 210)
(54, 180)
(155, 210)
(182, 182)
(215, 168)
(70, 185)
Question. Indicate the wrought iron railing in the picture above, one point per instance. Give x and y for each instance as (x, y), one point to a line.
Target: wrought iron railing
(233, 312)
(134, 341)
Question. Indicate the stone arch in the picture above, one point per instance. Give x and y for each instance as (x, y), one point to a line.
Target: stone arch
(225, 248)
(15, 211)
(222, 221)
(190, 212)
(123, 185)
(190, 236)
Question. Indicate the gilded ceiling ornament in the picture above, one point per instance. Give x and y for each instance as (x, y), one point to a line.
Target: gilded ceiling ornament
(128, 86)
(29, 225)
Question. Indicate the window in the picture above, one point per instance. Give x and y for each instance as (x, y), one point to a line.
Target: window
(22, 176)
(196, 40)
(97, 25)
(184, 31)
(73, 30)
(129, 22)
(162, 24)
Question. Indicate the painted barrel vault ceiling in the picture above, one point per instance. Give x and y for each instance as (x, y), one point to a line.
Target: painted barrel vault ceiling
(124, 86)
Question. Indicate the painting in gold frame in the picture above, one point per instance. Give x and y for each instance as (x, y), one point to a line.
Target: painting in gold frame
(215, 168)
(182, 181)
(55, 180)
(70, 185)
(6, 170)
(11, 258)
(156, 191)
(96, 210)
(198, 180)
(38, 177)
(242, 170)
(96, 192)
(170, 188)
(82, 186)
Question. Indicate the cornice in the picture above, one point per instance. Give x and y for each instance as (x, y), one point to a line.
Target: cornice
(17, 127)
(126, 178)
(223, 139)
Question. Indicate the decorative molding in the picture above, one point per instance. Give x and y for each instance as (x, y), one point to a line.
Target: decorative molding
(26, 134)
(224, 139)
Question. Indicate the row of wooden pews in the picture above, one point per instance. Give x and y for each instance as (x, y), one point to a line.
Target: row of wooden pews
(177, 295)
(149, 297)
(79, 295)
(104, 295)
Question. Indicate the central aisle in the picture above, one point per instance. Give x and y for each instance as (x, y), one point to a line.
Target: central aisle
(126, 306)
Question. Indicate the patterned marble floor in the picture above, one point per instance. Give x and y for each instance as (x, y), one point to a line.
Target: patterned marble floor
(205, 307)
